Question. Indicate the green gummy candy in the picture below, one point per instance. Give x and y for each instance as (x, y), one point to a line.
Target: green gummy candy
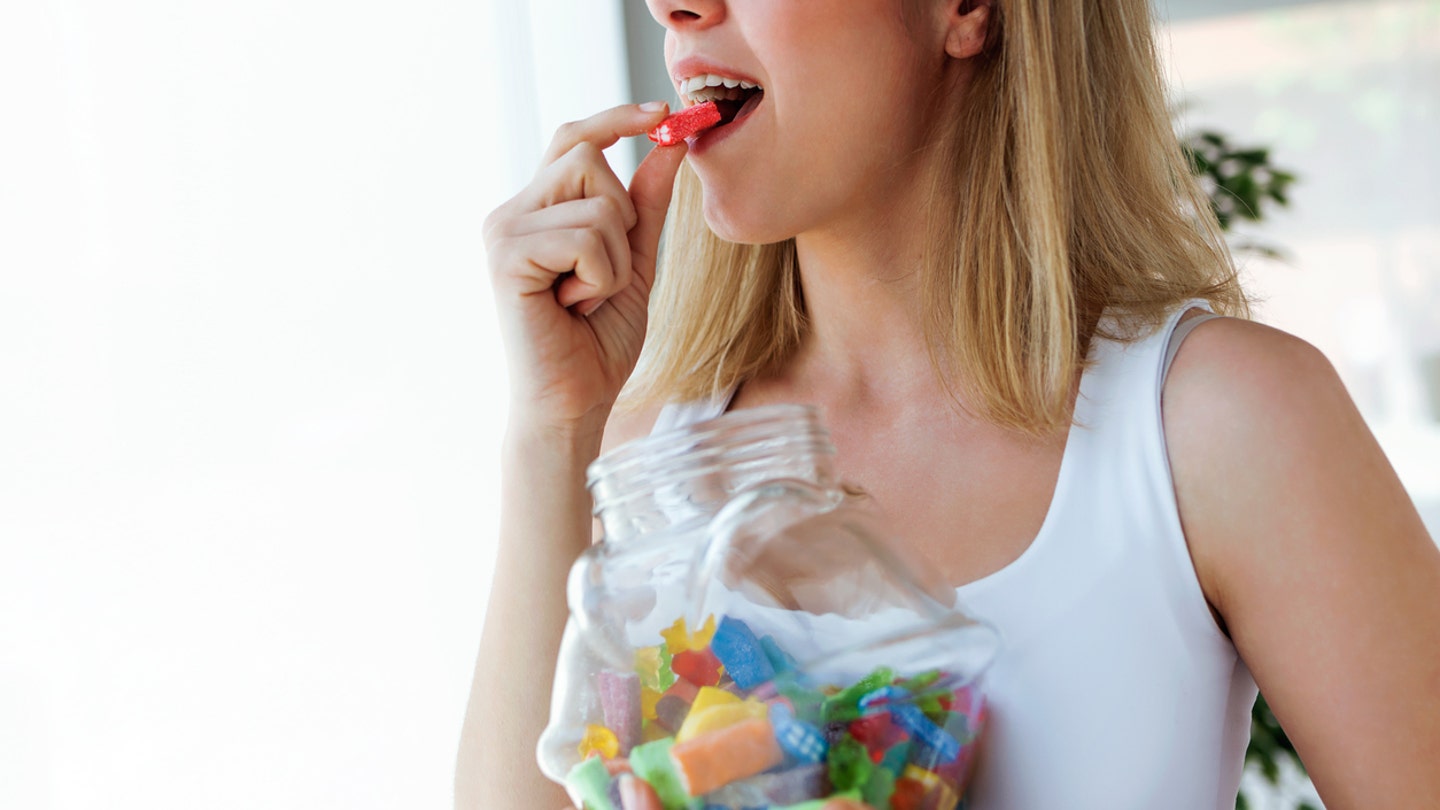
(667, 675)
(878, 790)
(922, 680)
(850, 695)
(849, 764)
(591, 782)
(652, 763)
(835, 710)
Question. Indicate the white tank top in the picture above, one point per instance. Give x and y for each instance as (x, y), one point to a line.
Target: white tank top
(1115, 689)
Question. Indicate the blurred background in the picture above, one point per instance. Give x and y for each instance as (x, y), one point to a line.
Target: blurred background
(251, 389)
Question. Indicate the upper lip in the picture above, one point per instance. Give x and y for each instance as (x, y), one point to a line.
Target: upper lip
(692, 66)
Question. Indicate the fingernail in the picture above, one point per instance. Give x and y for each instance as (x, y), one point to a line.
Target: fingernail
(653, 106)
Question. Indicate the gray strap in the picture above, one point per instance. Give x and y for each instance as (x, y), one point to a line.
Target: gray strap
(1177, 336)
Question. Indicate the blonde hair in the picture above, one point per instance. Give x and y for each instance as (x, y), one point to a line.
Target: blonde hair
(1063, 193)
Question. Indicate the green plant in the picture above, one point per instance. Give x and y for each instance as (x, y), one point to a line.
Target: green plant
(1242, 184)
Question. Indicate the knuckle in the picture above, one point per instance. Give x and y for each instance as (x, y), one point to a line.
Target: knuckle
(608, 209)
(585, 151)
(592, 240)
(568, 131)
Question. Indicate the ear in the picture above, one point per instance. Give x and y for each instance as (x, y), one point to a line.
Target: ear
(968, 23)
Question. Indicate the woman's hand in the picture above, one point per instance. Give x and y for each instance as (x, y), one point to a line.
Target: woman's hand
(572, 261)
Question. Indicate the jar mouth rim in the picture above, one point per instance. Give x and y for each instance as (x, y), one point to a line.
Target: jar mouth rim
(642, 450)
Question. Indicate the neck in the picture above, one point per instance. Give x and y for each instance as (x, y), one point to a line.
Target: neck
(861, 277)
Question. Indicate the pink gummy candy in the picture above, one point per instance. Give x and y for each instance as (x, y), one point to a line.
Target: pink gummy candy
(687, 123)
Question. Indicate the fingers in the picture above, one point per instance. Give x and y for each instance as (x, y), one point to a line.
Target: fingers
(579, 174)
(604, 129)
(650, 192)
(537, 259)
(600, 213)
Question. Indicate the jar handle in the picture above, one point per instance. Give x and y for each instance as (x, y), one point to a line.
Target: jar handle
(746, 523)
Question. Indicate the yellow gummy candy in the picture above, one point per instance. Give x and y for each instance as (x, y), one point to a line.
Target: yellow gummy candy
(648, 698)
(702, 637)
(679, 639)
(713, 718)
(599, 740)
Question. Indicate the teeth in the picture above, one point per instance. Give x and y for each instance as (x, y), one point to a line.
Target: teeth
(708, 86)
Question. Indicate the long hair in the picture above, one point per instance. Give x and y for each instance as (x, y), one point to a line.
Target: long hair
(1062, 193)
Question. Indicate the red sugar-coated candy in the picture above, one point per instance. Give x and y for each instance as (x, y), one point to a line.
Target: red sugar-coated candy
(908, 795)
(699, 667)
(687, 123)
(872, 730)
(682, 689)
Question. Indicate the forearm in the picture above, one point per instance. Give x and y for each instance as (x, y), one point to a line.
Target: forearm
(544, 525)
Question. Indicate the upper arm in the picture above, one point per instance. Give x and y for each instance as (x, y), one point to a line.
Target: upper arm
(1311, 550)
(624, 425)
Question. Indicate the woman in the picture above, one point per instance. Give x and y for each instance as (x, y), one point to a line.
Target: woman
(964, 230)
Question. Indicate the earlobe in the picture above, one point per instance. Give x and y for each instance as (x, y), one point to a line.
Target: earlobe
(970, 24)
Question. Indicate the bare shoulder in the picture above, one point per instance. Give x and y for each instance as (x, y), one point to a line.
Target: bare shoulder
(627, 423)
(1308, 546)
(624, 425)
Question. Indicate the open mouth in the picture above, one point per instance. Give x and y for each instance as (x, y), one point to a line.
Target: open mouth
(732, 110)
(735, 98)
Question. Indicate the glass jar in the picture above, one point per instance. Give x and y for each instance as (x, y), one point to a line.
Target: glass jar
(745, 637)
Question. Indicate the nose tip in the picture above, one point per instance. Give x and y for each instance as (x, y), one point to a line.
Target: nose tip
(687, 15)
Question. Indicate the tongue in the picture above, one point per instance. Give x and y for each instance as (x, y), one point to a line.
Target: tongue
(732, 110)
(750, 104)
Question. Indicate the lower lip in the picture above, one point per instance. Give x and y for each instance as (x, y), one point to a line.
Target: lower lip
(708, 139)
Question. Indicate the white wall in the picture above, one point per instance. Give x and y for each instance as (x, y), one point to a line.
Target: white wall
(249, 399)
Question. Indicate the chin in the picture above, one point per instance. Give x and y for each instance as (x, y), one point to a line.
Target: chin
(748, 223)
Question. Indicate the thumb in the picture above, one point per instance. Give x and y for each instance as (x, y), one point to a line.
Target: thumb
(650, 191)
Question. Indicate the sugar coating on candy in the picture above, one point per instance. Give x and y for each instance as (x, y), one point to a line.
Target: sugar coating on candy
(687, 123)
(739, 650)
(620, 702)
(652, 762)
(671, 712)
(799, 739)
(701, 698)
(636, 794)
(589, 782)
(735, 752)
(713, 718)
(699, 667)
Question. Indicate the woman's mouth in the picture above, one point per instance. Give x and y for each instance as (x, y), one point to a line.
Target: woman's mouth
(735, 98)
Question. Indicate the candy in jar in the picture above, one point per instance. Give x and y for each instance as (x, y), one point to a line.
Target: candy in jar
(744, 637)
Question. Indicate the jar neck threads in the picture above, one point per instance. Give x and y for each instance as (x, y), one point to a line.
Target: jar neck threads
(673, 479)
